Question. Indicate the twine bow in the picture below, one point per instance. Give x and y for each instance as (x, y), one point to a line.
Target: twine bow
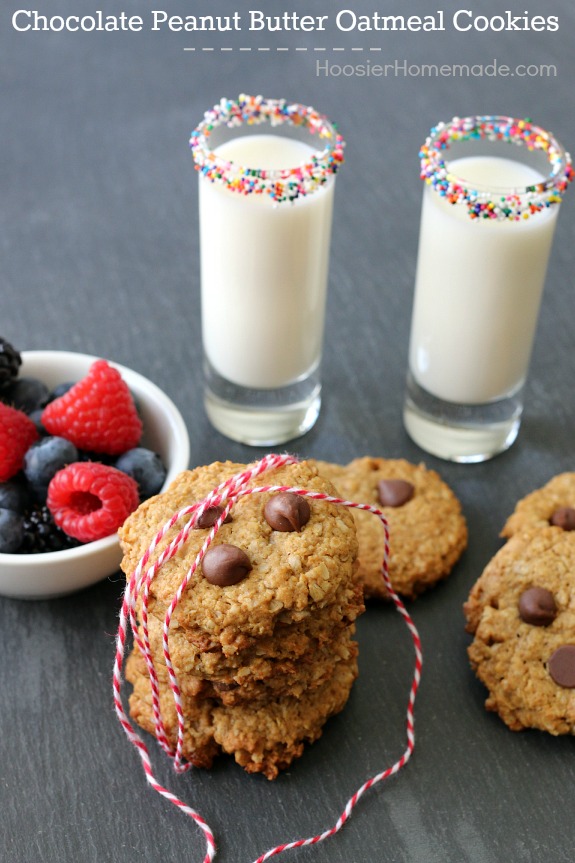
(225, 496)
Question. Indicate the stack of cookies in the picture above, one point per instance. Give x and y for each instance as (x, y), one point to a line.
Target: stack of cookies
(262, 639)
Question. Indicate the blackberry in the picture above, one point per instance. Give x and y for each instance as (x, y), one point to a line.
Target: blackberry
(42, 535)
(10, 362)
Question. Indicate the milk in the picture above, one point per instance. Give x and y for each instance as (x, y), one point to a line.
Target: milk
(264, 269)
(478, 289)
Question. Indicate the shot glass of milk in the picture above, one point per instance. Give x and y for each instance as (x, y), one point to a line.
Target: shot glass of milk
(267, 175)
(490, 206)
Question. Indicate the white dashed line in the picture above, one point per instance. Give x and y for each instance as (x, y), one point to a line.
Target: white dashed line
(284, 49)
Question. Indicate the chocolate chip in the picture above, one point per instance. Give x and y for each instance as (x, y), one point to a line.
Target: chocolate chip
(210, 515)
(561, 666)
(287, 511)
(225, 687)
(394, 492)
(225, 564)
(564, 517)
(537, 606)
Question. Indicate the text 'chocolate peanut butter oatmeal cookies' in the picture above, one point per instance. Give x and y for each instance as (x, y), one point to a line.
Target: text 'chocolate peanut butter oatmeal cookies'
(521, 612)
(427, 528)
(261, 640)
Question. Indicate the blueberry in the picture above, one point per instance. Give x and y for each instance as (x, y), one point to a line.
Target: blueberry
(45, 458)
(11, 531)
(15, 495)
(26, 394)
(146, 467)
(61, 390)
(36, 417)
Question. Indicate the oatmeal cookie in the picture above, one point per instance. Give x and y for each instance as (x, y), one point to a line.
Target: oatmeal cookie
(294, 574)
(266, 740)
(262, 737)
(521, 612)
(553, 504)
(288, 644)
(258, 678)
(428, 532)
(201, 748)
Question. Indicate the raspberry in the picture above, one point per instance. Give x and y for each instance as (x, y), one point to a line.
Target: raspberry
(17, 433)
(97, 413)
(89, 500)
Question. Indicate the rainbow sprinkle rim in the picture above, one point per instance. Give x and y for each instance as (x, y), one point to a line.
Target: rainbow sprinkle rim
(513, 205)
(281, 185)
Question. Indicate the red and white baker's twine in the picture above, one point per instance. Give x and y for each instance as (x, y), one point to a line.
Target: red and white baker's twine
(225, 495)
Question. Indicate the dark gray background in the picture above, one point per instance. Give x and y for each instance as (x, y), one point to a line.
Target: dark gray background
(99, 253)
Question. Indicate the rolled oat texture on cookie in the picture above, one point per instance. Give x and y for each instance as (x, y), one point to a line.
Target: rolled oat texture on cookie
(521, 613)
(552, 504)
(428, 532)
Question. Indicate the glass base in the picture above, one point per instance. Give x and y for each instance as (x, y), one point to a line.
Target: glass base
(261, 417)
(461, 433)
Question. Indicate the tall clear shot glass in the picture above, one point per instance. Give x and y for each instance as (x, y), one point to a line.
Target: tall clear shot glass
(490, 206)
(266, 188)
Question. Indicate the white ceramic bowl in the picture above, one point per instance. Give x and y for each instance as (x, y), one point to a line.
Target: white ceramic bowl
(56, 573)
